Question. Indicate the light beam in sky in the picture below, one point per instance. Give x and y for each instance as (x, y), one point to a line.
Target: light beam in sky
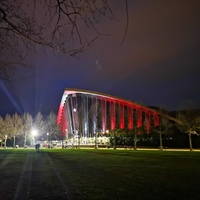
(10, 97)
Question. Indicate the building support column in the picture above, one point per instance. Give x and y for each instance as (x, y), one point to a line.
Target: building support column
(103, 111)
(68, 117)
(156, 119)
(139, 117)
(122, 116)
(94, 115)
(112, 115)
(85, 121)
(130, 117)
(147, 120)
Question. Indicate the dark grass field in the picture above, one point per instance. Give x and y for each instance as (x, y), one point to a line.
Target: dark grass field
(99, 174)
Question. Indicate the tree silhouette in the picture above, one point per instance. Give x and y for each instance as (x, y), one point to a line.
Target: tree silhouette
(27, 126)
(61, 25)
(190, 124)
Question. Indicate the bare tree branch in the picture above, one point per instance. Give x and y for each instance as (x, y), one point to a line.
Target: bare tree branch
(127, 22)
(56, 24)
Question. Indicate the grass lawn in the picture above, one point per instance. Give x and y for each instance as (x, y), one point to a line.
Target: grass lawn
(99, 174)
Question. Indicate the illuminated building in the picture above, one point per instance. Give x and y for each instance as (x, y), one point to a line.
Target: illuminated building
(84, 114)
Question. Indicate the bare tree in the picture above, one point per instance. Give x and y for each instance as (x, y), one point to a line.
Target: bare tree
(27, 126)
(7, 129)
(52, 126)
(39, 124)
(2, 126)
(11, 127)
(190, 124)
(56, 24)
(8, 125)
(16, 127)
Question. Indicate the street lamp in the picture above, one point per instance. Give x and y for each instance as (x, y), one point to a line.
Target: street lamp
(48, 140)
(34, 134)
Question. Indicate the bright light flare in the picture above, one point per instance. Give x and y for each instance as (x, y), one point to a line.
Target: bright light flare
(34, 132)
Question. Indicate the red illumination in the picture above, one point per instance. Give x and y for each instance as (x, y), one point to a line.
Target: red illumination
(112, 115)
(59, 114)
(63, 125)
(121, 116)
(147, 119)
(156, 119)
(61, 119)
(103, 111)
(130, 118)
(139, 116)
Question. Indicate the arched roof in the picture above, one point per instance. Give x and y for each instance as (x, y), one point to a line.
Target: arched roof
(69, 91)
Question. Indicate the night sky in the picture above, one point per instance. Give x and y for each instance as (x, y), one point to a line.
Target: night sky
(158, 64)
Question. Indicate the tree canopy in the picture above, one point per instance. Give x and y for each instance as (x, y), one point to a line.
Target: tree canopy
(22, 126)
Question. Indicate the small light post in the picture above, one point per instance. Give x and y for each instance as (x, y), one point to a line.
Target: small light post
(47, 140)
(107, 139)
(34, 134)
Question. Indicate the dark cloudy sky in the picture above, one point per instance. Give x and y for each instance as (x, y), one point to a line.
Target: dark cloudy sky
(158, 64)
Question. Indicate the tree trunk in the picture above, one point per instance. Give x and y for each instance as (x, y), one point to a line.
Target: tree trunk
(14, 142)
(5, 143)
(95, 141)
(79, 141)
(50, 141)
(25, 140)
(190, 140)
(114, 142)
(135, 141)
(161, 145)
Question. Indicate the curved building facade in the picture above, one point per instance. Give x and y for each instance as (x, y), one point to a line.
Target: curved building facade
(87, 113)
